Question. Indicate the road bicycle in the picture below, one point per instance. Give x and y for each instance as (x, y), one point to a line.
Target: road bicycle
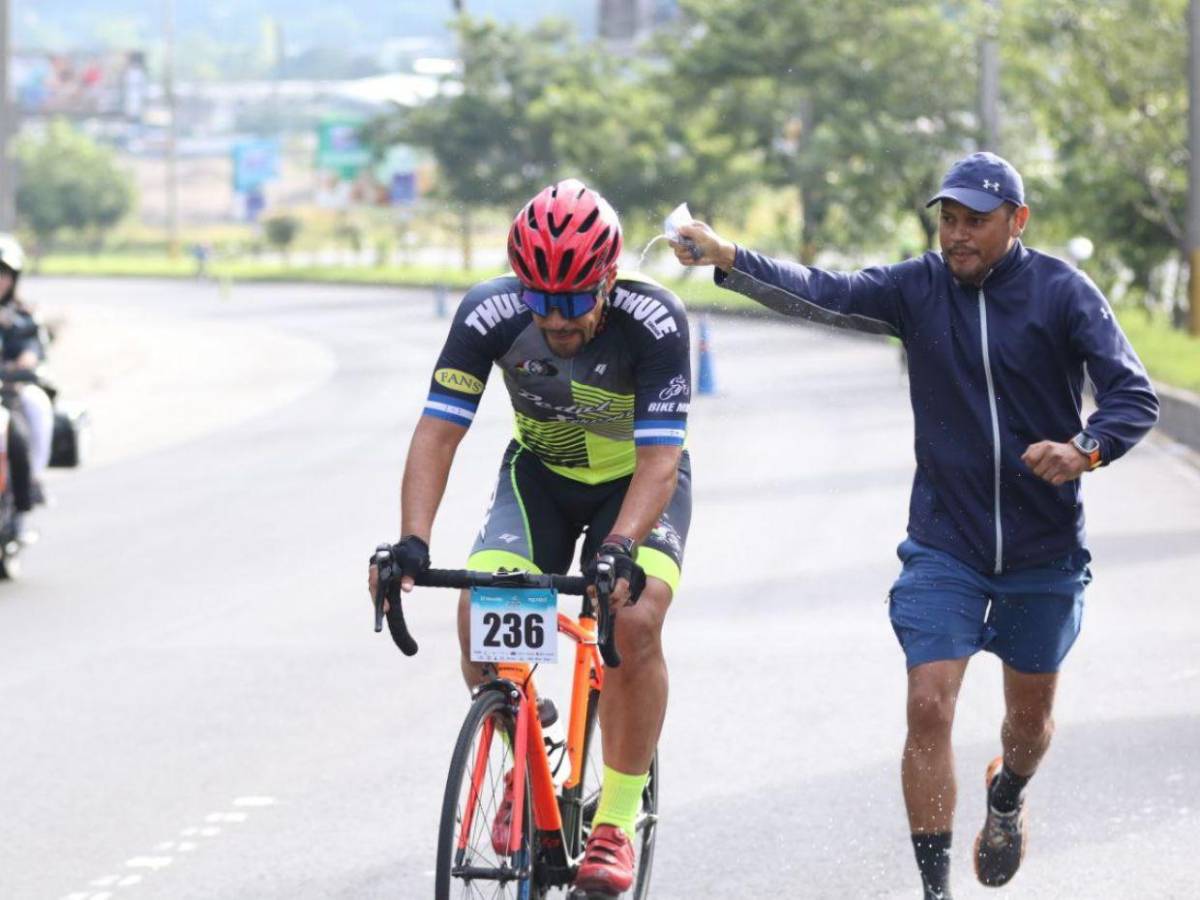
(503, 738)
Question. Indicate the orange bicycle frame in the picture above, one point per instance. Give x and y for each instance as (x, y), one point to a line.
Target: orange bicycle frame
(529, 750)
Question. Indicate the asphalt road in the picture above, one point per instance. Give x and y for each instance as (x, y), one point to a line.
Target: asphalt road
(193, 703)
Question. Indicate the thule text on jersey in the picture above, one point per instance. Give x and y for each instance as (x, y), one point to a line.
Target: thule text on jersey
(489, 313)
(650, 312)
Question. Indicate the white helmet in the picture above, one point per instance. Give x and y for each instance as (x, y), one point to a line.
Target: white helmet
(11, 254)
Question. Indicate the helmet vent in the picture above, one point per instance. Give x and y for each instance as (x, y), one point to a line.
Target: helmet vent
(543, 267)
(531, 217)
(584, 272)
(590, 220)
(600, 239)
(556, 229)
(564, 264)
(526, 275)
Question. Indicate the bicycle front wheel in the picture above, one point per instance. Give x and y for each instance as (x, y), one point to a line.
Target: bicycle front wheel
(473, 860)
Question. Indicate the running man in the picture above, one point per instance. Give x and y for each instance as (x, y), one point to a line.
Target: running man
(998, 337)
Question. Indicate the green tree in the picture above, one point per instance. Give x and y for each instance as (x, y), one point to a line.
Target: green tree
(536, 105)
(281, 230)
(1106, 87)
(856, 104)
(69, 182)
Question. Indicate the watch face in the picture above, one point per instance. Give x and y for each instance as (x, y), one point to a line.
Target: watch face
(1086, 443)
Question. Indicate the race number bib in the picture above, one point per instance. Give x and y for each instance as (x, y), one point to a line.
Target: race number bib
(514, 625)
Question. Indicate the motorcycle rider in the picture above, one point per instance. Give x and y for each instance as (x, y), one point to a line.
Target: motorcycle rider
(31, 425)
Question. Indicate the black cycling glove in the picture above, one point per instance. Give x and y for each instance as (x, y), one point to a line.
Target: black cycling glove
(411, 555)
(621, 553)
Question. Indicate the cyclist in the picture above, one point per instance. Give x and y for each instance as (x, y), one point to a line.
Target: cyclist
(597, 366)
(31, 425)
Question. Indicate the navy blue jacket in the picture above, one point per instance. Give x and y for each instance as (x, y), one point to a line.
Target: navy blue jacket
(992, 369)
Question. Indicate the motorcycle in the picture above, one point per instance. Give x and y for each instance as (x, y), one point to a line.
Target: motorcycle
(68, 450)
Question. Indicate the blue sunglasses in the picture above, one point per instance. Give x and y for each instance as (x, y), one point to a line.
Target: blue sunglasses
(572, 305)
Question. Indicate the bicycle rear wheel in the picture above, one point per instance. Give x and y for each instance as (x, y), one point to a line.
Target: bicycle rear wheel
(647, 821)
(468, 866)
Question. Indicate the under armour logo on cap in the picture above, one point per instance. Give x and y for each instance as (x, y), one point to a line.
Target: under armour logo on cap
(1001, 183)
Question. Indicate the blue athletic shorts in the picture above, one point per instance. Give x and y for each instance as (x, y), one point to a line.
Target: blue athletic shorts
(941, 608)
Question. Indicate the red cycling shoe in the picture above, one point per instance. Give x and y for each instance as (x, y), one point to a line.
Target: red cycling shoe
(607, 866)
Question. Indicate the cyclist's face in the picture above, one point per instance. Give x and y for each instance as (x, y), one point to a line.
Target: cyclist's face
(972, 242)
(6, 281)
(566, 337)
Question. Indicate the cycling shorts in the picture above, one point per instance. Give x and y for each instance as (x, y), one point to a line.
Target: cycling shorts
(537, 516)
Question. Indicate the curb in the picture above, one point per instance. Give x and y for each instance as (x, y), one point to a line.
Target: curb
(1179, 414)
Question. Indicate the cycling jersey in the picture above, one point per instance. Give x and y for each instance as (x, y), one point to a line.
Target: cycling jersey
(583, 417)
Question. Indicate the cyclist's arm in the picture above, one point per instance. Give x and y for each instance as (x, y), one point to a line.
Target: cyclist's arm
(650, 490)
(662, 398)
(426, 472)
(455, 388)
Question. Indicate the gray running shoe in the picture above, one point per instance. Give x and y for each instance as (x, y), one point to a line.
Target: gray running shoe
(1000, 846)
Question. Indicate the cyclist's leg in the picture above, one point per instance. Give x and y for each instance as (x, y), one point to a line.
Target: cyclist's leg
(523, 529)
(634, 700)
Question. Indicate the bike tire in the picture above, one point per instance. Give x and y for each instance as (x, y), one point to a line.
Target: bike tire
(647, 824)
(489, 705)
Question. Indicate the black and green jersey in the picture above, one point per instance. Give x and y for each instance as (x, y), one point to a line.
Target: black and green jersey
(582, 417)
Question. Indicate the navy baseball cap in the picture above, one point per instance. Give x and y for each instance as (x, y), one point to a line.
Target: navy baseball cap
(982, 181)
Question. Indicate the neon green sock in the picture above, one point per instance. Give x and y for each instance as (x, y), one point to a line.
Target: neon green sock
(621, 800)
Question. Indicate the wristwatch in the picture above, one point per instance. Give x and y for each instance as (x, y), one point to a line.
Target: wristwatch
(1089, 447)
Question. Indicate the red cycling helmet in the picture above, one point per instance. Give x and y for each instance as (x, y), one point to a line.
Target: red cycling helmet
(565, 239)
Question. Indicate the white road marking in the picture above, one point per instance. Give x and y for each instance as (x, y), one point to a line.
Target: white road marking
(254, 801)
(158, 862)
(225, 817)
(149, 862)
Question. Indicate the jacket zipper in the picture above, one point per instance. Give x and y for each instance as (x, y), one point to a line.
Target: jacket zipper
(991, 386)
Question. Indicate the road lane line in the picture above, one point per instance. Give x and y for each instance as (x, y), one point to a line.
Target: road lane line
(160, 861)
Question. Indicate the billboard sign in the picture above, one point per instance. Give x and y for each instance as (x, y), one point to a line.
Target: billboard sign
(81, 85)
(255, 162)
(339, 148)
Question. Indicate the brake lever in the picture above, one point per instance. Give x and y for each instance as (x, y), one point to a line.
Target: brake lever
(606, 583)
(382, 560)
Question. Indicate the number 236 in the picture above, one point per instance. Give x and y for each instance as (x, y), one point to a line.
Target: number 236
(518, 631)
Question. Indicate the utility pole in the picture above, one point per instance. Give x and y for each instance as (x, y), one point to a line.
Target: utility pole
(1193, 220)
(171, 155)
(8, 118)
(989, 78)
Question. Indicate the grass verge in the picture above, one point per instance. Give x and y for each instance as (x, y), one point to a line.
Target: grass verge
(1171, 356)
